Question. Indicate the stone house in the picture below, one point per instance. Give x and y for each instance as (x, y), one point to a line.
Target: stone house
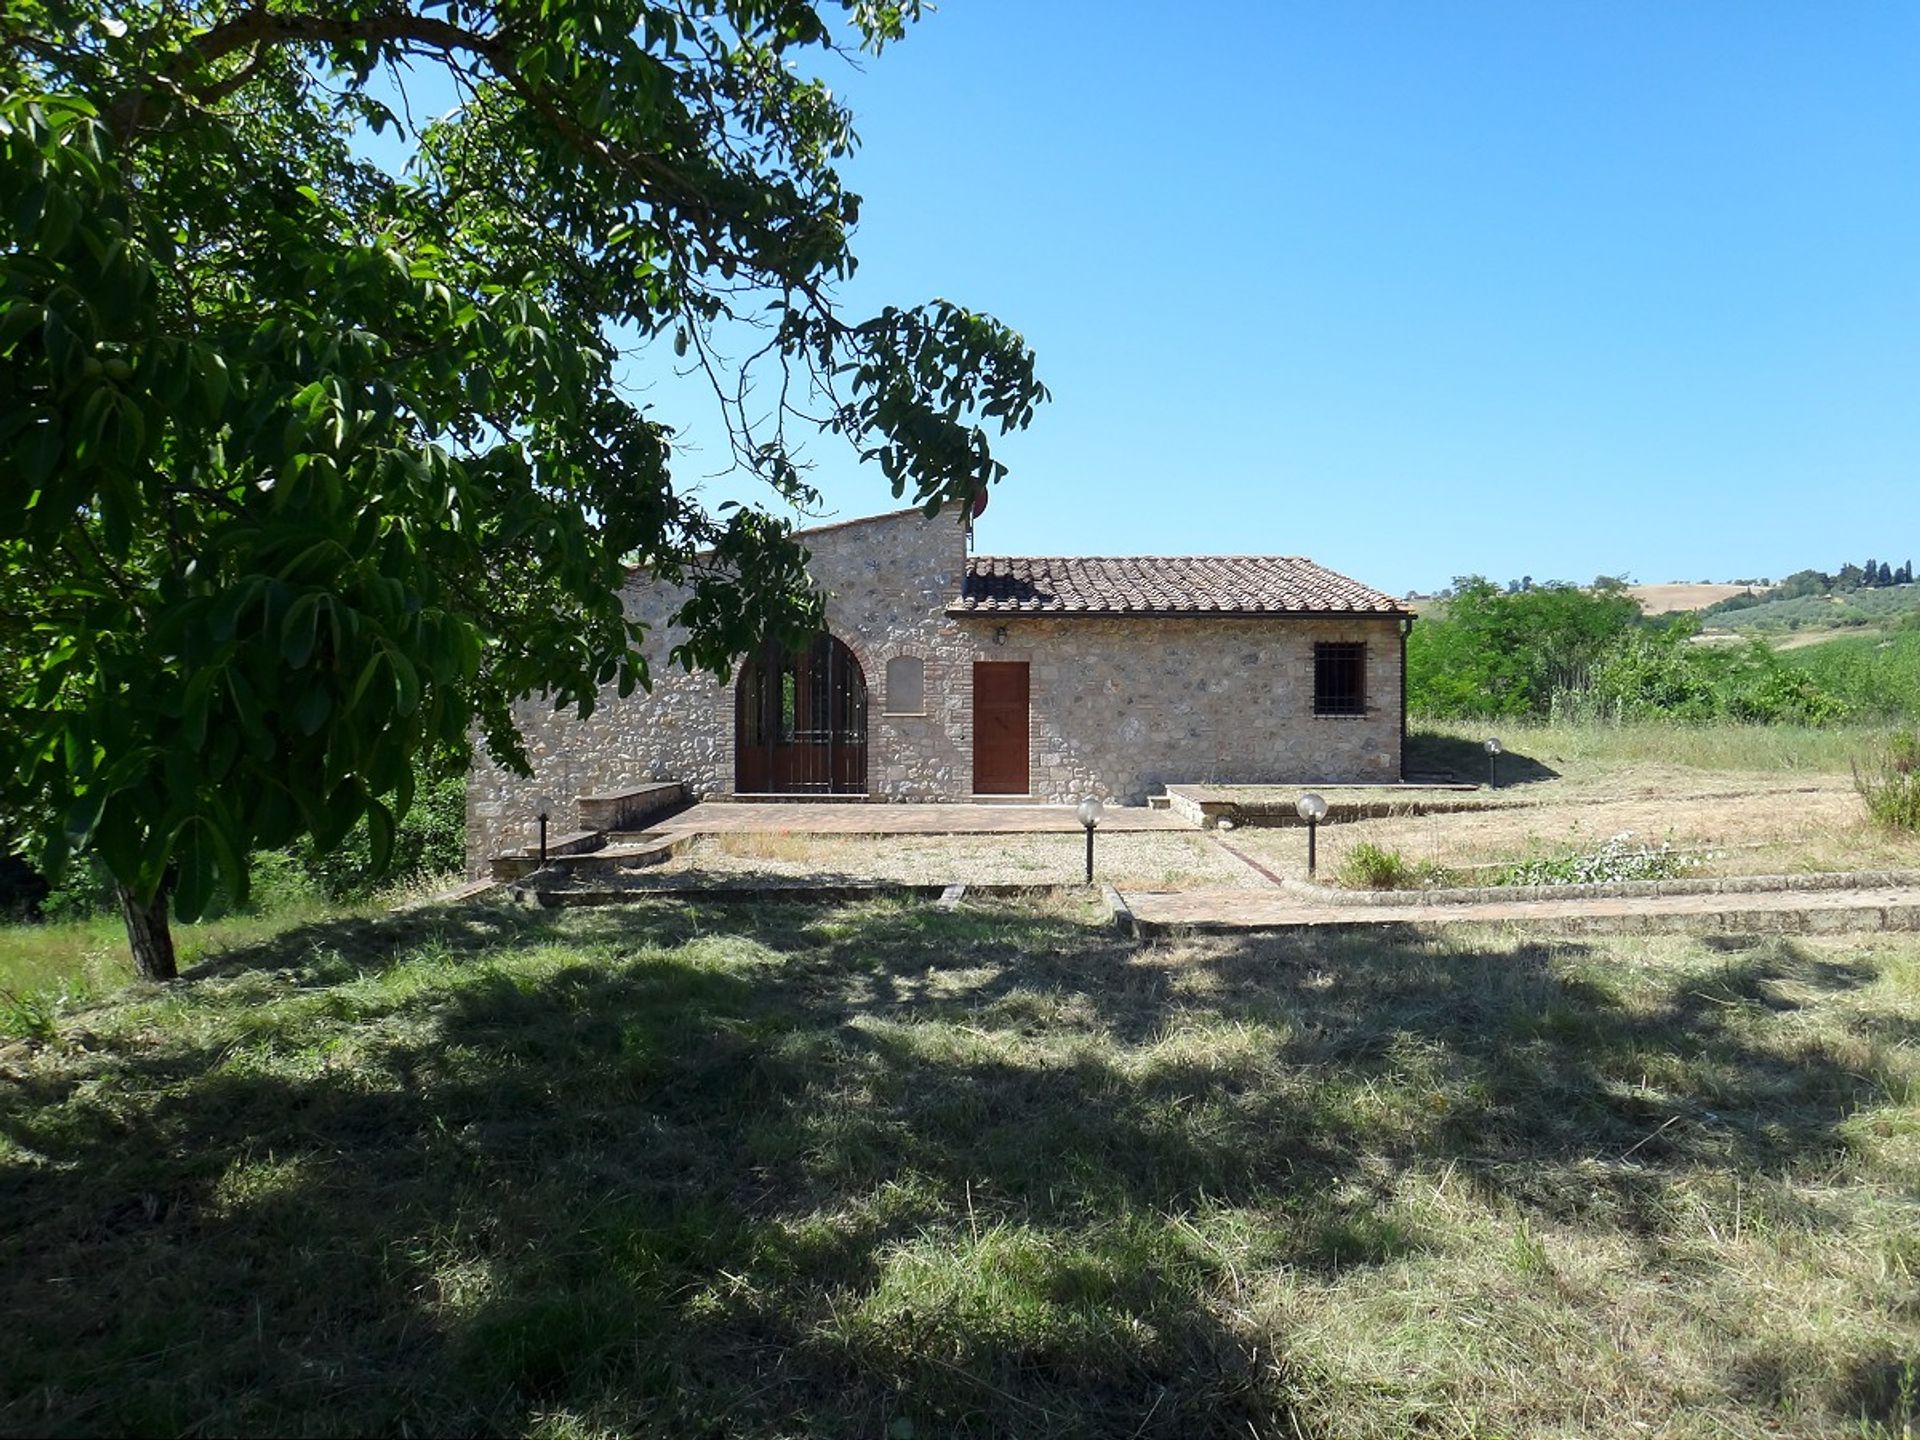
(946, 675)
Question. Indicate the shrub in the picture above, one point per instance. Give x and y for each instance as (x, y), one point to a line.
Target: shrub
(429, 840)
(1663, 675)
(279, 882)
(1618, 859)
(85, 891)
(1372, 867)
(1889, 781)
(1877, 676)
(1486, 653)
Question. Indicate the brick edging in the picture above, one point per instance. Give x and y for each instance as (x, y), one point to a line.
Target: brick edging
(1614, 890)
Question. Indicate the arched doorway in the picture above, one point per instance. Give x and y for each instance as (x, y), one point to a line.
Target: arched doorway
(800, 722)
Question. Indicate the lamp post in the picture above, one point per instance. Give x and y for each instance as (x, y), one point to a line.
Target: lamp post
(1312, 808)
(1493, 748)
(1090, 812)
(543, 808)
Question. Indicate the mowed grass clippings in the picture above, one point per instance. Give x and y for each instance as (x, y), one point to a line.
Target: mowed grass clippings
(889, 1170)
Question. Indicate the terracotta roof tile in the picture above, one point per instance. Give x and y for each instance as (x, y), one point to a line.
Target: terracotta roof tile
(1161, 585)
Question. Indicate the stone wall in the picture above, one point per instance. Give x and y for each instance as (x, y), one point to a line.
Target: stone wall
(1119, 707)
(888, 580)
(1123, 707)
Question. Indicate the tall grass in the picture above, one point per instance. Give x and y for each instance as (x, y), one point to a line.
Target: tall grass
(1889, 781)
(1605, 746)
(1874, 674)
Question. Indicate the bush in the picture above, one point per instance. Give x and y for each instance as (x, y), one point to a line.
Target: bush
(84, 891)
(1371, 867)
(23, 889)
(278, 882)
(1488, 653)
(1875, 675)
(1889, 781)
(1618, 859)
(1574, 655)
(430, 840)
(1664, 675)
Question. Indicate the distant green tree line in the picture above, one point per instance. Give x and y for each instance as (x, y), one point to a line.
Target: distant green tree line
(1875, 574)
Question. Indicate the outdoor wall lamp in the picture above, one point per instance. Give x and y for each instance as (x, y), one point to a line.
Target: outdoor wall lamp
(1493, 748)
(999, 634)
(1090, 812)
(1312, 808)
(543, 810)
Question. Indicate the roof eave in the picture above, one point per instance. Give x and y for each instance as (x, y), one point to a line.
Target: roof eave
(999, 612)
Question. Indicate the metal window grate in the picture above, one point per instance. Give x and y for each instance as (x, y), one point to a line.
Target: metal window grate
(1340, 679)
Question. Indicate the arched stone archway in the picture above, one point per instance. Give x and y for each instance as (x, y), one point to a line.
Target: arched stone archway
(800, 722)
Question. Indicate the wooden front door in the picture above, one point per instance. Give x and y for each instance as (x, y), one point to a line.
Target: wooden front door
(1000, 727)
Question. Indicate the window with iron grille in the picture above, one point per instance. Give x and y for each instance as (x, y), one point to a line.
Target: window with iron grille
(1340, 679)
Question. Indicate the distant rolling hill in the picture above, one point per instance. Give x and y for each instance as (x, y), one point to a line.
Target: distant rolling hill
(1884, 606)
(1664, 599)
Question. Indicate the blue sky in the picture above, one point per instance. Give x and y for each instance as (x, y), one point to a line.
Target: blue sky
(1420, 289)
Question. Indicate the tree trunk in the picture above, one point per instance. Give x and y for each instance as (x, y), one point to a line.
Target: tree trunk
(148, 934)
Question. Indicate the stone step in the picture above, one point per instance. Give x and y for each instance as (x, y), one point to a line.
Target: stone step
(632, 808)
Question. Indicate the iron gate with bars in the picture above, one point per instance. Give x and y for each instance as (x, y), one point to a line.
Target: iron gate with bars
(800, 722)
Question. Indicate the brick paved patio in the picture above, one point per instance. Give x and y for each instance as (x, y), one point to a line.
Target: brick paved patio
(827, 818)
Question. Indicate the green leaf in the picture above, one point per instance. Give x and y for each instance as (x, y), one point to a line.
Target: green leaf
(300, 630)
(196, 870)
(17, 320)
(311, 710)
(406, 681)
(379, 836)
(336, 815)
(40, 453)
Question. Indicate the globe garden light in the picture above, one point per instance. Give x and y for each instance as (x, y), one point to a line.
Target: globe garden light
(543, 811)
(1493, 748)
(1090, 812)
(1312, 808)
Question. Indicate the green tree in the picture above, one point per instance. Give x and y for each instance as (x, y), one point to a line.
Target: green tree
(1492, 653)
(311, 469)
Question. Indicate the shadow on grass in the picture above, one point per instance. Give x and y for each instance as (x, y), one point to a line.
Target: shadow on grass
(776, 1170)
(1432, 754)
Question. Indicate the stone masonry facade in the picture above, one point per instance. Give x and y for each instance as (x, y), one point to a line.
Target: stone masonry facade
(1119, 705)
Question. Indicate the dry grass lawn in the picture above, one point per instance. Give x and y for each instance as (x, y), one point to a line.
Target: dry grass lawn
(1750, 801)
(1785, 831)
(884, 1170)
(1149, 860)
